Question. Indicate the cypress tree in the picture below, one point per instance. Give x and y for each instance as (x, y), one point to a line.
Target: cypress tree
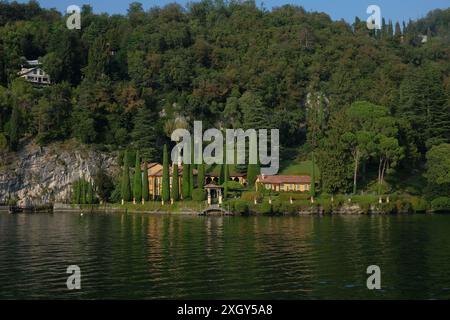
(201, 176)
(145, 187)
(221, 174)
(175, 185)
(313, 178)
(185, 187)
(226, 178)
(83, 191)
(14, 129)
(137, 181)
(90, 193)
(191, 171)
(165, 193)
(125, 190)
(252, 173)
(77, 191)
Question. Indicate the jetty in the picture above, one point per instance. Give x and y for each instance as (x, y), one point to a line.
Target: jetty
(48, 208)
(215, 209)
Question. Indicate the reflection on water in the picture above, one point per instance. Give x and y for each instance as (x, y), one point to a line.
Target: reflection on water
(156, 256)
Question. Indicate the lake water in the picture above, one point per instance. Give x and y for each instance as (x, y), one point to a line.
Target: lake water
(139, 256)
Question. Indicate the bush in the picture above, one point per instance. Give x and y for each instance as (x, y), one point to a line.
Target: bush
(419, 204)
(233, 185)
(441, 204)
(290, 208)
(286, 196)
(241, 206)
(263, 208)
(251, 195)
(277, 206)
(403, 206)
(199, 194)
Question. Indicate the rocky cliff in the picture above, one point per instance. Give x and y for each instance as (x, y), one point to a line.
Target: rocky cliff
(37, 174)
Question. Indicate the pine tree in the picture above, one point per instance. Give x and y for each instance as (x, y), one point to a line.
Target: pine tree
(175, 185)
(137, 181)
(145, 187)
(165, 193)
(125, 190)
(185, 186)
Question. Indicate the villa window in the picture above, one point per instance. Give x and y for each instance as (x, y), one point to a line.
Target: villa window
(268, 186)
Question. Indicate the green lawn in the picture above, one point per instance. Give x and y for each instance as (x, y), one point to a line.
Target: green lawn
(300, 168)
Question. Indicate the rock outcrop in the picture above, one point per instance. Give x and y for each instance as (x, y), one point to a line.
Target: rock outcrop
(39, 175)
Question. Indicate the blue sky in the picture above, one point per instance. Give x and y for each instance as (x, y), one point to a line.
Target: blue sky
(396, 10)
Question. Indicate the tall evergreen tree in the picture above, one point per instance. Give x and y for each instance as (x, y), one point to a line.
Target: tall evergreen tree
(90, 193)
(175, 184)
(144, 134)
(226, 179)
(221, 174)
(125, 190)
(137, 181)
(252, 173)
(185, 185)
(201, 176)
(145, 186)
(14, 129)
(165, 193)
(313, 177)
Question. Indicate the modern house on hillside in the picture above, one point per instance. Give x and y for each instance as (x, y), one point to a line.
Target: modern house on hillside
(32, 72)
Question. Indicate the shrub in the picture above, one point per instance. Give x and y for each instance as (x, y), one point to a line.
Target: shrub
(198, 194)
(263, 208)
(286, 196)
(251, 195)
(290, 208)
(403, 205)
(277, 207)
(441, 204)
(418, 204)
(241, 206)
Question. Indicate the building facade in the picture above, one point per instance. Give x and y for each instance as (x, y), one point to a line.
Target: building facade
(284, 183)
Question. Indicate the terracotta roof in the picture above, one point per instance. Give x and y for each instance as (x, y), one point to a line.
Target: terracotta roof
(159, 173)
(284, 179)
(231, 174)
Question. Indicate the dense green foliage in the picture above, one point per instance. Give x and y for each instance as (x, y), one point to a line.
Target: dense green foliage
(371, 105)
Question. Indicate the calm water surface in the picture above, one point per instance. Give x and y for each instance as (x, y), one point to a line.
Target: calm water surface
(136, 256)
